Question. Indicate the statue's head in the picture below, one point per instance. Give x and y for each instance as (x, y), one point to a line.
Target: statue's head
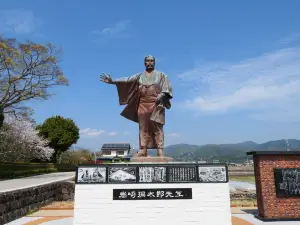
(149, 62)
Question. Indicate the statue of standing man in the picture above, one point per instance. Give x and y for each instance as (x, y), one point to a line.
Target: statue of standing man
(146, 95)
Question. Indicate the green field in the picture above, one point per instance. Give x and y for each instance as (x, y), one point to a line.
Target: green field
(249, 179)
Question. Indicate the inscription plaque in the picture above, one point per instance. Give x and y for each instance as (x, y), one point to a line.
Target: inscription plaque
(212, 174)
(88, 175)
(152, 194)
(287, 182)
(152, 174)
(122, 174)
(182, 174)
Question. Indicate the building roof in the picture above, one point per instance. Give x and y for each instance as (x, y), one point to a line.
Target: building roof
(116, 146)
(274, 153)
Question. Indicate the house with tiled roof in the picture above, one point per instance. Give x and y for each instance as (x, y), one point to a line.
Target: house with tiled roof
(115, 152)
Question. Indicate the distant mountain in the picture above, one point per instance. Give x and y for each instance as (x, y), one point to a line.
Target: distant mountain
(294, 144)
(77, 148)
(226, 152)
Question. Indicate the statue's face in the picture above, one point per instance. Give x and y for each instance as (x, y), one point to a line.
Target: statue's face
(149, 63)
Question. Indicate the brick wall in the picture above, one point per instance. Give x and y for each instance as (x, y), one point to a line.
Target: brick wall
(16, 204)
(269, 205)
(210, 205)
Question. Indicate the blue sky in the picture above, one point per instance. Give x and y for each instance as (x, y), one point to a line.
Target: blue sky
(234, 65)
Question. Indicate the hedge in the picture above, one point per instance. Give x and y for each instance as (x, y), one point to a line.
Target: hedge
(18, 170)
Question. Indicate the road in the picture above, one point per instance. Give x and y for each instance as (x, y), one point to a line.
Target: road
(21, 183)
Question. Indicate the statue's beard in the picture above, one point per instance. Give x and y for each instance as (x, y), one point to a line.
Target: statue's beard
(149, 67)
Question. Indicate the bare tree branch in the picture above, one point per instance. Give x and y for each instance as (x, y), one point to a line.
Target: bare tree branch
(27, 71)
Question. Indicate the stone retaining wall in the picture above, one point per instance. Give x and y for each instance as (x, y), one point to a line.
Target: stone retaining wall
(16, 204)
(239, 194)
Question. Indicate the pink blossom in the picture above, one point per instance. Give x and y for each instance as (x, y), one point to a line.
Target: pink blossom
(20, 141)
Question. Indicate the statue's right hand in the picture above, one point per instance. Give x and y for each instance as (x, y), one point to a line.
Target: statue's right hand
(106, 78)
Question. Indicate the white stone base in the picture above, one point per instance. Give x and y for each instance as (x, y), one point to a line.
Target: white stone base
(210, 205)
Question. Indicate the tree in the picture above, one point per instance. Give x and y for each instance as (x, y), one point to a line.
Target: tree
(61, 132)
(27, 71)
(20, 141)
(75, 157)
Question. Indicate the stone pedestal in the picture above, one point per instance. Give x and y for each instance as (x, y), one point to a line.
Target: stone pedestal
(162, 193)
(277, 185)
(152, 159)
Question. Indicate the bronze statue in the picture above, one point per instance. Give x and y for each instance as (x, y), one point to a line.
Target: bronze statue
(146, 95)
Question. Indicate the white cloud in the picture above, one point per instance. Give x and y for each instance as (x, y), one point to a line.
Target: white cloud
(283, 115)
(19, 21)
(173, 135)
(91, 132)
(119, 30)
(265, 86)
(126, 132)
(290, 38)
(113, 133)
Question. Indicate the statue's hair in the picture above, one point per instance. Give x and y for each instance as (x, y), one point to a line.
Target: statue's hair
(149, 56)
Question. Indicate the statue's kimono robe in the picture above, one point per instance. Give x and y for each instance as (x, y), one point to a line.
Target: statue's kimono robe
(139, 92)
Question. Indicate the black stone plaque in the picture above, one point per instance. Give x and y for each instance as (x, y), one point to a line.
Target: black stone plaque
(152, 174)
(91, 175)
(212, 174)
(287, 182)
(125, 174)
(152, 194)
(182, 174)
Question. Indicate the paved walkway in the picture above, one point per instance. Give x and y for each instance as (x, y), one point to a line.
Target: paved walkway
(16, 184)
(65, 217)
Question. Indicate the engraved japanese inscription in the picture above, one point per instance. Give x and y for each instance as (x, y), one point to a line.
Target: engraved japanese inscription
(212, 174)
(91, 175)
(287, 182)
(182, 174)
(153, 174)
(152, 194)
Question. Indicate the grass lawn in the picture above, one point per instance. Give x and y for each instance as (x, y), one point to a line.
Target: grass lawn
(250, 179)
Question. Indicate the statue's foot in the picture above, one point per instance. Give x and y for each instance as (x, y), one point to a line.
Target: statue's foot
(142, 153)
(160, 153)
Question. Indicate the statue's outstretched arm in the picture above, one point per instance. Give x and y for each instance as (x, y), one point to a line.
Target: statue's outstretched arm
(108, 79)
(125, 79)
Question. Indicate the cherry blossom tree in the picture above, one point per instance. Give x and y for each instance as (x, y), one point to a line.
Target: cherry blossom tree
(19, 141)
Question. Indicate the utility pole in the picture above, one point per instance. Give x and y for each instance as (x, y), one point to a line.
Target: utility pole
(287, 145)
